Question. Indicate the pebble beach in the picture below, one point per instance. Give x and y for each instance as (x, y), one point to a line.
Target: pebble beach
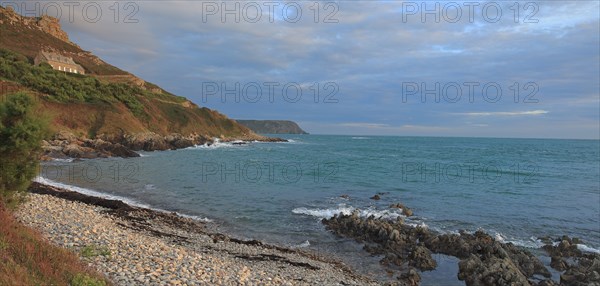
(147, 247)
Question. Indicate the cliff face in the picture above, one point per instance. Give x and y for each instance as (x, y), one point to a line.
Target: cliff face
(107, 102)
(272, 126)
(45, 24)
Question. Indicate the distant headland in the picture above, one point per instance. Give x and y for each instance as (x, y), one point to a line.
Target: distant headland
(272, 126)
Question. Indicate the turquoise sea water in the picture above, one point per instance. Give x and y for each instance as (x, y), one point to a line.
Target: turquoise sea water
(515, 189)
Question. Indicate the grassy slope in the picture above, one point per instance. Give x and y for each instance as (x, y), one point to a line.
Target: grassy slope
(139, 110)
(26, 258)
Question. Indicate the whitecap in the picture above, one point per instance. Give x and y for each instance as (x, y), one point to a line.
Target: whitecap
(302, 245)
(217, 144)
(68, 160)
(347, 210)
(586, 248)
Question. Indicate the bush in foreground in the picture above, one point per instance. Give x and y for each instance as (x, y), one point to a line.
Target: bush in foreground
(21, 134)
(26, 258)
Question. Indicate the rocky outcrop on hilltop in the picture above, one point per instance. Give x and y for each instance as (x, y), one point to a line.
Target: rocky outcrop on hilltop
(46, 24)
(483, 260)
(51, 26)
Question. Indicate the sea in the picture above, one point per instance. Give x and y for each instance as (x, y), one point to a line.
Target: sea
(517, 190)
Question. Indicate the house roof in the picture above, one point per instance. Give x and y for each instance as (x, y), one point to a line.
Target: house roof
(48, 56)
(58, 58)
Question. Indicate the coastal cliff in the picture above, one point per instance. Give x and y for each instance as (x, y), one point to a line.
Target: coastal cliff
(107, 103)
(272, 126)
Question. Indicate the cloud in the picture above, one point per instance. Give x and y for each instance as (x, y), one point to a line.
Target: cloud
(364, 125)
(369, 53)
(505, 113)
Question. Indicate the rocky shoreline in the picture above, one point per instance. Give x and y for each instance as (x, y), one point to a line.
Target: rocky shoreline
(483, 260)
(137, 246)
(65, 145)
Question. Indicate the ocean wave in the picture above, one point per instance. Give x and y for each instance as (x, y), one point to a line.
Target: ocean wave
(93, 193)
(68, 160)
(586, 248)
(302, 245)
(532, 242)
(217, 144)
(348, 210)
(360, 138)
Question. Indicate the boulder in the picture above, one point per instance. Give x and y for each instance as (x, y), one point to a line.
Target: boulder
(65, 136)
(490, 271)
(421, 259)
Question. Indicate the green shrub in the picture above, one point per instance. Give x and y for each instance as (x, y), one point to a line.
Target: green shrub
(85, 280)
(21, 134)
(66, 87)
(93, 251)
(3, 244)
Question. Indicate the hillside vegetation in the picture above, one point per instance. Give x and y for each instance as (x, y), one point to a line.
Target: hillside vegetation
(105, 102)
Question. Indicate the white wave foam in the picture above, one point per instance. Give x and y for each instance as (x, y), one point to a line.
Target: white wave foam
(532, 242)
(88, 192)
(360, 138)
(586, 248)
(68, 160)
(149, 187)
(93, 193)
(216, 144)
(302, 245)
(203, 219)
(347, 210)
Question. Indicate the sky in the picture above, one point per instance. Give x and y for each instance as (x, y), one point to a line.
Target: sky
(481, 69)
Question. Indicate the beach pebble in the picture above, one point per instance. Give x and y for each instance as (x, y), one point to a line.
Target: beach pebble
(131, 252)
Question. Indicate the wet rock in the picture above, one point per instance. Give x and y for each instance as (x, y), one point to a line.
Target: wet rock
(558, 263)
(410, 278)
(405, 210)
(476, 271)
(421, 258)
(579, 268)
(546, 282)
(585, 272)
(376, 197)
(122, 151)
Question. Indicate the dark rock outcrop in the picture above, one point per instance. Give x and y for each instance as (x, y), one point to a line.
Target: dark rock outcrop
(579, 268)
(66, 145)
(481, 271)
(405, 210)
(484, 261)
